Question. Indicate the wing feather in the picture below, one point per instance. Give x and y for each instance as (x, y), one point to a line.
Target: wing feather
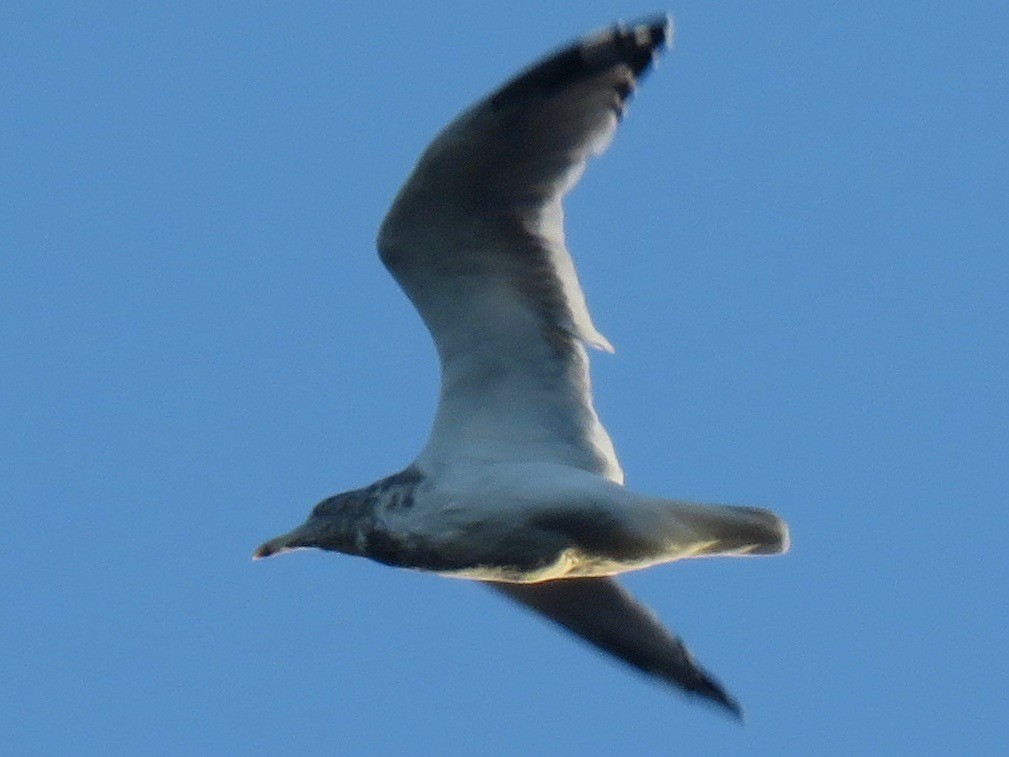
(604, 614)
(476, 240)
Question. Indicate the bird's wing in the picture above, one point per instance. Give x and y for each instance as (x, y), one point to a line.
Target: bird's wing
(476, 240)
(606, 615)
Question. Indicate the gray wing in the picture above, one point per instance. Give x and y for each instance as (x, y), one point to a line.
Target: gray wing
(603, 613)
(475, 238)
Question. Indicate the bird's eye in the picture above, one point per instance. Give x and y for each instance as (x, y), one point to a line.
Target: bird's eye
(326, 507)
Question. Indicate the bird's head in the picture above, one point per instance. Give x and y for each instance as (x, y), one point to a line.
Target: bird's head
(333, 525)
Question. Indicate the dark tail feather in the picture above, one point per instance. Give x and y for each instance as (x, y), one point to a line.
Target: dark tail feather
(604, 614)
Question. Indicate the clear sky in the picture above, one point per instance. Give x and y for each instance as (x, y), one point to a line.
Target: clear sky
(797, 244)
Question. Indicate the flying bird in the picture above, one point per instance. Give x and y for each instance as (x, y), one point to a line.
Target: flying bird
(519, 486)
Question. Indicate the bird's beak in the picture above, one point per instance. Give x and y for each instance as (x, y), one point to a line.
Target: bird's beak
(295, 539)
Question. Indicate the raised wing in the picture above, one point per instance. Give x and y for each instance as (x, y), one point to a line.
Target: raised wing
(476, 240)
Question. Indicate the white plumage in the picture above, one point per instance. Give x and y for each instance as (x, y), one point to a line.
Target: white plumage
(519, 484)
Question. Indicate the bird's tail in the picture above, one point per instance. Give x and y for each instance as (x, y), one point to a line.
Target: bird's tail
(699, 530)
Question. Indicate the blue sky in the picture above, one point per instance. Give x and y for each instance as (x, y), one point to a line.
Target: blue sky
(797, 244)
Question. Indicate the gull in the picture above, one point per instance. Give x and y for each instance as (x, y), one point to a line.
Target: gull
(519, 486)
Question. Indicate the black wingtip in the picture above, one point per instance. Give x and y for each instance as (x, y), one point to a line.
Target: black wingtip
(706, 686)
(643, 40)
(659, 27)
(636, 45)
(721, 698)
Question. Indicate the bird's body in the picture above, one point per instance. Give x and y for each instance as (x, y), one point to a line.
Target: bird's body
(519, 484)
(523, 522)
